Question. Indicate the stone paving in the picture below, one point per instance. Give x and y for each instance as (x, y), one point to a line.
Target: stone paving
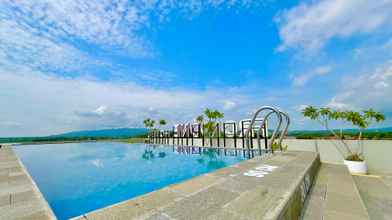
(227, 193)
(377, 196)
(19, 196)
(334, 196)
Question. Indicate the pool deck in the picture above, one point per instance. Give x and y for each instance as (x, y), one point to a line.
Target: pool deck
(234, 192)
(20, 198)
(334, 195)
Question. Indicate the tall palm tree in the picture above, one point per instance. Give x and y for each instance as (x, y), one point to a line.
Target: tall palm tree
(162, 122)
(148, 123)
(213, 116)
(200, 119)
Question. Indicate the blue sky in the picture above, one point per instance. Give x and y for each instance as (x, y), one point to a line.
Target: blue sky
(73, 65)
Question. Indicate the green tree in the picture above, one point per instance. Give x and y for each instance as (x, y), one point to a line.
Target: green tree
(149, 123)
(361, 120)
(200, 119)
(162, 122)
(212, 116)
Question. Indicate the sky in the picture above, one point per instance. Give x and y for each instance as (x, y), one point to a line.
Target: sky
(75, 65)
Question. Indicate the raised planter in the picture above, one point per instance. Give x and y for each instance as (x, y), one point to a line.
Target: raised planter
(356, 167)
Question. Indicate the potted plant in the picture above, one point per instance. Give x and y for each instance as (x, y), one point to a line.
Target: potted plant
(353, 155)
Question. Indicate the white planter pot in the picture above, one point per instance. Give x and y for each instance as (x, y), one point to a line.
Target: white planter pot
(356, 167)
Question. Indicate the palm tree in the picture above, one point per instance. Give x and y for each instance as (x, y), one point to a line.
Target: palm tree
(200, 119)
(162, 122)
(213, 116)
(148, 123)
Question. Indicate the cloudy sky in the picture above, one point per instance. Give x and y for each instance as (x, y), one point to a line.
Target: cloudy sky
(74, 65)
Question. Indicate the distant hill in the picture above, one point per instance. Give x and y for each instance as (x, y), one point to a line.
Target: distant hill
(105, 133)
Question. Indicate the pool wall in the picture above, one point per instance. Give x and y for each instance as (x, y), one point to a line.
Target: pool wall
(376, 152)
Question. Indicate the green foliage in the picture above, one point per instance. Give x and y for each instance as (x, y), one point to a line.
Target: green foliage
(200, 119)
(369, 135)
(354, 157)
(162, 122)
(212, 116)
(361, 120)
(149, 123)
(275, 146)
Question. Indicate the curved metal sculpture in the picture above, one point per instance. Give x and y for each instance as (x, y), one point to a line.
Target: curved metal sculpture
(273, 110)
(285, 129)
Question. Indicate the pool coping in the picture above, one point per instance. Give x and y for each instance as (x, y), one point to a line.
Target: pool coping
(227, 193)
(20, 196)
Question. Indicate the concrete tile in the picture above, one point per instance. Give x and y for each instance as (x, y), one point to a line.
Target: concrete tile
(241, 183)
(200, 205)
(7, 188)
(39, 215)
(195, 185)
(19, 210)
(339, 202)
(228, 171)
(135, 208)
(23, 196)
(255, 203)
(5, 200)
(315, 204)
(19, 198)
(158, 216)
(376, 196)
(11, 164)
(227, 215)
(331, 215)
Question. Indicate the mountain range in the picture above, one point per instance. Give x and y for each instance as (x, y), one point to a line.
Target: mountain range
(112, 133)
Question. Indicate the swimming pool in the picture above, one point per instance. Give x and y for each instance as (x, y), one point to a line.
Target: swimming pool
(81, 177)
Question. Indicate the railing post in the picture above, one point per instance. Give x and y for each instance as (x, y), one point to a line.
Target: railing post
(224, 135)
(192, 131)
(243, 134)
(218, 129)
(235, 137)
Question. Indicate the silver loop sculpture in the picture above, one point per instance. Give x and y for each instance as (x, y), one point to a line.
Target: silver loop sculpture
(286, 116)
(264, 108)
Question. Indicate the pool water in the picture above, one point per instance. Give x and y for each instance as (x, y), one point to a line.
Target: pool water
(82, 177)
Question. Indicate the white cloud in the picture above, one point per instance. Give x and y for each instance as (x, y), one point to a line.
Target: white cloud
(228, 104)
(52, 36)
(301, 107)
(20, 46)
(42, 104)
(105, 23)
(97, 163)
(310, 25)
(333, 103)
(109, 24)
(101, 110)
(300, 80)
(371, 89)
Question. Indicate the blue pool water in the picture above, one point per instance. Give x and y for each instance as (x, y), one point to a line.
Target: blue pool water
(78, 178)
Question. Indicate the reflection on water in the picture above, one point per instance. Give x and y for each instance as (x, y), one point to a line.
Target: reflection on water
(78, 178)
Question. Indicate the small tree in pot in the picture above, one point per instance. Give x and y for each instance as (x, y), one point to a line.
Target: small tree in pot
(353, 155)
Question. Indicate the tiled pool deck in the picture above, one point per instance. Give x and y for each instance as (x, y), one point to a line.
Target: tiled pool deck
(19, 196)
(227, 193)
